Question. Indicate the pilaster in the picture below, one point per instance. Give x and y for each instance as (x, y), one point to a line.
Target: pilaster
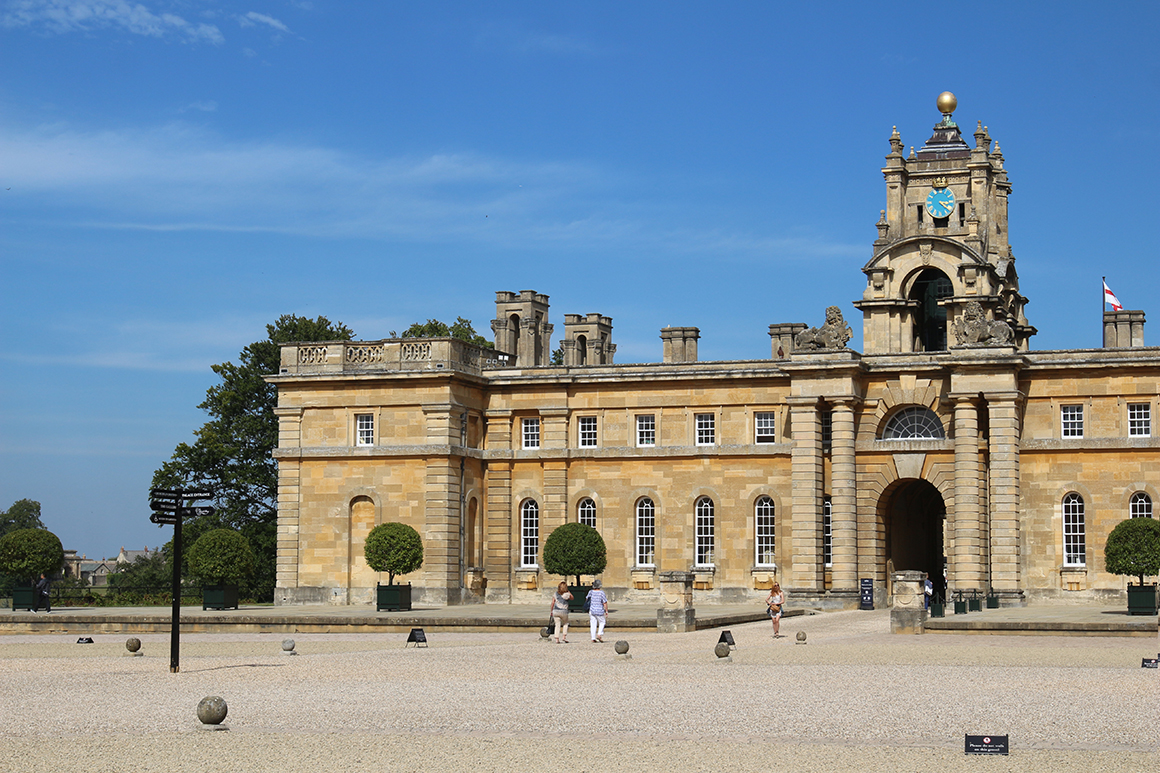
(966, 567)
(289, 498)
(1003, 444)
(843, 496)
(805, 560)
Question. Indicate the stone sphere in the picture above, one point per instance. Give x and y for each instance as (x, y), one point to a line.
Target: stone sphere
(721, 650)
(545, 632)
(621, 647)
(947, 102)
(287, 645)
(133, 644)
(212, 710)
(801, 637)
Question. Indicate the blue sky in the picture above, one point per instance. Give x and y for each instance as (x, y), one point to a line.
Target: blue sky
(175, 174)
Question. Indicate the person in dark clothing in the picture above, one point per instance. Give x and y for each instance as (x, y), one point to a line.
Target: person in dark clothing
(42, 588)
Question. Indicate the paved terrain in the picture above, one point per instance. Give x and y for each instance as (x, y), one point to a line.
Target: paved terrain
(852, 698)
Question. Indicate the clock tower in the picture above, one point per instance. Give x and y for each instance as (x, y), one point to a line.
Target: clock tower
(942, 256)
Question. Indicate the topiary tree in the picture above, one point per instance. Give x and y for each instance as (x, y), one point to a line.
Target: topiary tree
(575, 549)
(394, 548)
(28, 553)
(1133, 548)
(221, 556)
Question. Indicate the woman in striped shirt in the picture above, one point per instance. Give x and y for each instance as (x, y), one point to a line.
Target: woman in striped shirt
(597, 611)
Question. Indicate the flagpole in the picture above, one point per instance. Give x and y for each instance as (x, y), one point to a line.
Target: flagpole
(1103, 303)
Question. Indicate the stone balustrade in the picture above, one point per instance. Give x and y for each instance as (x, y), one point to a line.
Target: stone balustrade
(389, 355)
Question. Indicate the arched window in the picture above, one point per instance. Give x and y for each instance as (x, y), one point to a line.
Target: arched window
(529, 532)
(827, 532)
(914, 423)
(705, 529)
(1074, 531)
(586, 512)
(646, 532)
(1140, 505)
(582, 350)
(930, 319)
(763, 523)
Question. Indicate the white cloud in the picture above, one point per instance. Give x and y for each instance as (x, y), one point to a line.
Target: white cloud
(205, 106)
(185, 178)
(514, 39)
(251, 18)
(62, 16)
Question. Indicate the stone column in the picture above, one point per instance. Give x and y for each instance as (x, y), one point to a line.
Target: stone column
(805, 560)
(677, 614)
(498, 537)
(966, 565)
(289, 497)
(442, 510)
(1004, 455)
(843, 501)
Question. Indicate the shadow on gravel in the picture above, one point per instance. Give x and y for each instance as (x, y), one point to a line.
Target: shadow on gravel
(239, 665)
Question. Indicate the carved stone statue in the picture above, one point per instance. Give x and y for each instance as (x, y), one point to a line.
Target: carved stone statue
(972, 328)
(832, 335)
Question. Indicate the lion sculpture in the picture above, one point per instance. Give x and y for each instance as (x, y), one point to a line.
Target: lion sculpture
(832, 335)
(974, 329)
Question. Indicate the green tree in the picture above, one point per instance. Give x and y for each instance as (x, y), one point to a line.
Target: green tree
(575, 549)
(394, 548)
(147, 574)
(221, 556)
(28, 553)
(232, 453)
(1133, 548)
(433, 328)
(24, 514)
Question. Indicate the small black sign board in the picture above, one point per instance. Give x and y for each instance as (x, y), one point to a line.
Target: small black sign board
(192, 512)
(170, 505)
(1150, 663)
(727, 637)
(866, 585)
(418, 637)
(164, 493)
(986, 744)
(164, 518)
(85, 640)
(197, 493)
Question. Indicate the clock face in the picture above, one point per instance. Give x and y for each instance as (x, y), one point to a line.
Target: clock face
(940, 202)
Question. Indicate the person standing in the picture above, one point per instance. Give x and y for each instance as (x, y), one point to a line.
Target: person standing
(775, 601)
(597, 611)
(40, 596)
(559, 612)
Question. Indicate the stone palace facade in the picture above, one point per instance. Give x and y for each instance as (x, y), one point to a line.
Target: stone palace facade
(948, 445)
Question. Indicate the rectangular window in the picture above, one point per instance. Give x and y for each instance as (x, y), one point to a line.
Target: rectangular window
(646, 533)
(646, 430)
(365, 429)
(531, 433)
(587, 431)
(1071, 420)
(765, 431)
(706, 429)
(827, 421)
(1139, 420)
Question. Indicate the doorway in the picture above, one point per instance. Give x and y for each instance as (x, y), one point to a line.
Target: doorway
(913, 515)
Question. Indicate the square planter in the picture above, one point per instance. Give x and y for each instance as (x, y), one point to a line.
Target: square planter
(579, 593)
(23, 598)
(1142, 599)
(219, 597)
(390, 598)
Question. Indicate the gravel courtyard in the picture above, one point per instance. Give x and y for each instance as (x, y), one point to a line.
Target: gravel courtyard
(852, 698)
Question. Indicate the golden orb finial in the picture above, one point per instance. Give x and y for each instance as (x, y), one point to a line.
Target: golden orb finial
(947, 103)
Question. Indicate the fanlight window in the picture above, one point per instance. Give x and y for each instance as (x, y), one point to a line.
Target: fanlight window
(914, 423)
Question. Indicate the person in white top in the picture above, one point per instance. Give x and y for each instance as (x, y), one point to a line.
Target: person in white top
(775, 601)
(597, 611)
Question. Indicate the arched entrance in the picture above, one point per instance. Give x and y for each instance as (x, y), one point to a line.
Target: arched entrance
(930, 319)
(913, 514)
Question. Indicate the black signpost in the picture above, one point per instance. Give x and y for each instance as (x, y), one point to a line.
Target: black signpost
(169, 507)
